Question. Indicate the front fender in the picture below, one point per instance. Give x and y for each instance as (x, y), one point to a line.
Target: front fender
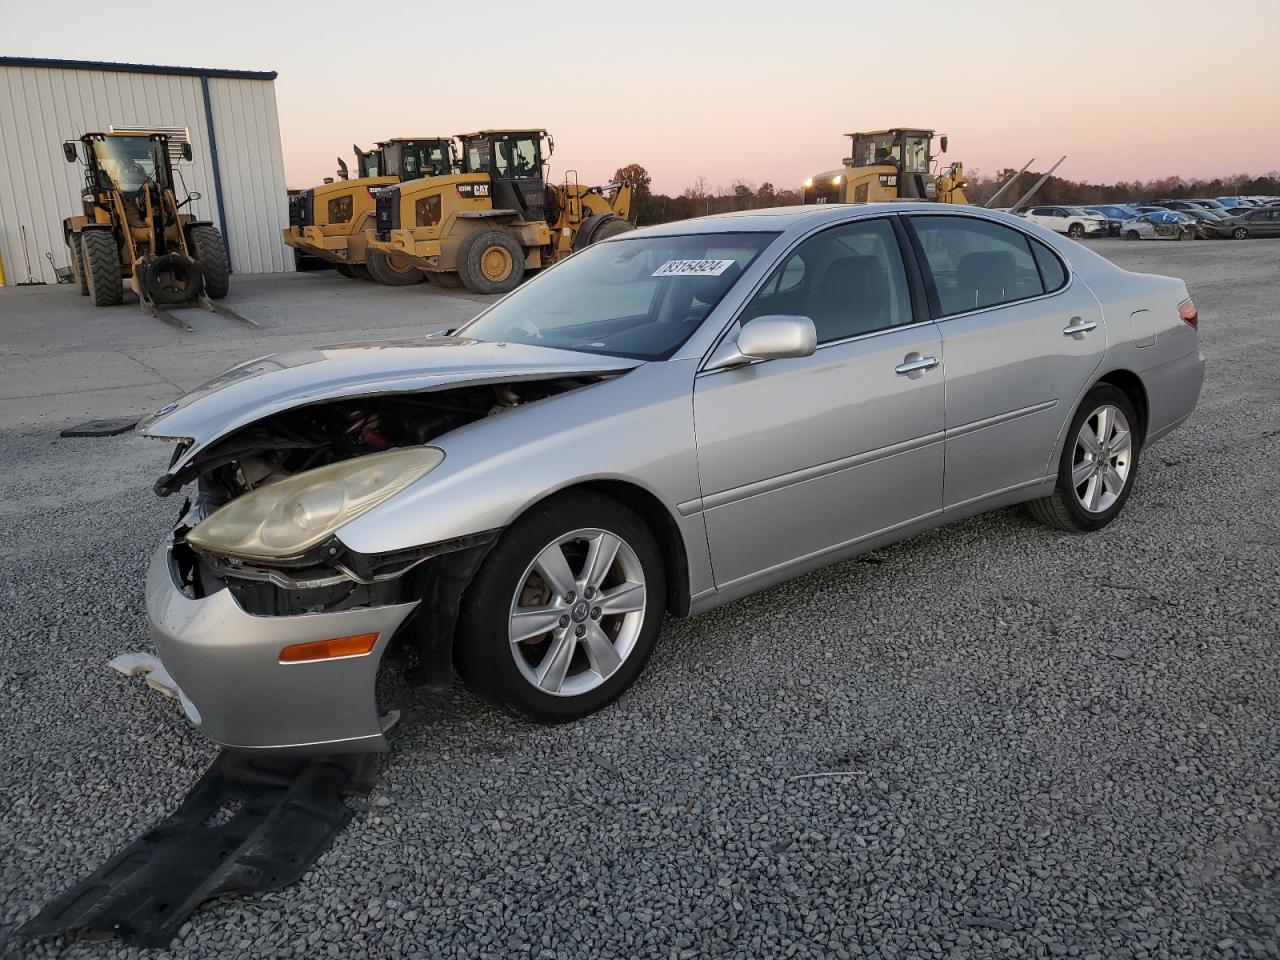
(637, 428)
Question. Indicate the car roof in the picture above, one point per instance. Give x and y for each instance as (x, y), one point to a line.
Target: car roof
(779, 219)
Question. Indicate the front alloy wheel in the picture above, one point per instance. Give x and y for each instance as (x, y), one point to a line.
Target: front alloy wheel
(577, 612)
(565, 610)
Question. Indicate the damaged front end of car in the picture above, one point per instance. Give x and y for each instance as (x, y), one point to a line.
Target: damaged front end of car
(273, 628)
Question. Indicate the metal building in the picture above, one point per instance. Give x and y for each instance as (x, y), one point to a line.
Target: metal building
(228, 115)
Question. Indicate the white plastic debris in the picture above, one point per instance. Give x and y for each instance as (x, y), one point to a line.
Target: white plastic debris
(131, 664)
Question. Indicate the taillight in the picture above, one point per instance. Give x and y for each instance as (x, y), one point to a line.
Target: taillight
(1188, 312)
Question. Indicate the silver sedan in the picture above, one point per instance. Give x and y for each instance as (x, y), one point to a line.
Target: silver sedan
(663, 423)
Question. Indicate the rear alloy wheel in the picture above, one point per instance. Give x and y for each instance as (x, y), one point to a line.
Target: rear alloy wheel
(391, 272)
(565, 610)
(1098, 465)
(1075, 231)
(491, 261)
(1240, 233)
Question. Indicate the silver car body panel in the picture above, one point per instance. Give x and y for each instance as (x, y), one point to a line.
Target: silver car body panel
(234, 687)
(268, 385)
(767, 470)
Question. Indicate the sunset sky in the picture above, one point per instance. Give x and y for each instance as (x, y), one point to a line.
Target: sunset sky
(759, 91)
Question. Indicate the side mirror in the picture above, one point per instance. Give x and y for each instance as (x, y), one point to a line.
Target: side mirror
(773, 337)
(942, 142)
(186, 152)
(69, 151)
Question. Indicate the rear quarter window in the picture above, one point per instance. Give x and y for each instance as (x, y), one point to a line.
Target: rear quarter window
(1052, 273)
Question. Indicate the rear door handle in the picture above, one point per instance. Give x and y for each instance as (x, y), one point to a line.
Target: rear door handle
(914, 363)
(1078, 328)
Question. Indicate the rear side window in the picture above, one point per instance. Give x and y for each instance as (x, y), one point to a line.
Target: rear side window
(1052, 273)
(976, 263)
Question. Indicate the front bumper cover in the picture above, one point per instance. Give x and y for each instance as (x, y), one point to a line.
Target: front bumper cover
(235, 690)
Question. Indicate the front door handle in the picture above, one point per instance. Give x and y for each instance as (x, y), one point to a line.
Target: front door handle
(915, 364)
(1078, 328)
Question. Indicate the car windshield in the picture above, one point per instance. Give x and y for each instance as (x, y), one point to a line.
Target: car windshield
(639, 298)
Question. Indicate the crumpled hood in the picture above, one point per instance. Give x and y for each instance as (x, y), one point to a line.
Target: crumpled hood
(269, 385)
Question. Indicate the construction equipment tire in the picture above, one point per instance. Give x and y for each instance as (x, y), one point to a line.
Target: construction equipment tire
(171, 279)
(77, 264)
(612, 228)
(211, 256)
(490, 261)
(102, 267)
(384, 270)
(444, 279)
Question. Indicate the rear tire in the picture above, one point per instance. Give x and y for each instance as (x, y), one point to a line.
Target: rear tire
(444, 279)
(508, 672)
(382, 269)
(210, 254)
(1067, 508)
(102, 267)
(77, 264)
(490, 261)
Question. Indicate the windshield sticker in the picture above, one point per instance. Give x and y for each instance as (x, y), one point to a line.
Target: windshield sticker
(693, 268)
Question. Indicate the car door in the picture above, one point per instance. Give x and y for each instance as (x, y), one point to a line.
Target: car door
(1266, 223)
(800, 457)
(1021, 341)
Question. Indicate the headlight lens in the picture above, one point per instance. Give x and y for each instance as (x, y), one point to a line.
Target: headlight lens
(288, 517)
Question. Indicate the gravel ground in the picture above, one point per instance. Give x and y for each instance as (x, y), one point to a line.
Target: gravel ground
(990, 741)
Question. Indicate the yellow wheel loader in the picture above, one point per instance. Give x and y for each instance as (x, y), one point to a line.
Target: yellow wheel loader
(331, 221)
(895, 164)
(132, 228)
(484, 227)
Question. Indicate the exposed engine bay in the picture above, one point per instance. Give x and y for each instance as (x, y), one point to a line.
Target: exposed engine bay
(333, 577)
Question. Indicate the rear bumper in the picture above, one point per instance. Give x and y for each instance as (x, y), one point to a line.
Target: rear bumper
(1173, 390)
(313, 241)
(235, 690)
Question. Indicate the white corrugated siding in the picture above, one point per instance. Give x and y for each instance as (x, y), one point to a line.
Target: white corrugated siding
(40, 107)
(252, 164)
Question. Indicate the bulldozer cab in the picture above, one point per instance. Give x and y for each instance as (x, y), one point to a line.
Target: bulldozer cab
(908, 150)
(125, 162)
(408, 159)
(514, 160)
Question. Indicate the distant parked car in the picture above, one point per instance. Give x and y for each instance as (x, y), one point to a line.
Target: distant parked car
(1115, 213)
(1207, 222)
(1160, 225)
(1250, 222)
(1075, 222)
(1235, 202)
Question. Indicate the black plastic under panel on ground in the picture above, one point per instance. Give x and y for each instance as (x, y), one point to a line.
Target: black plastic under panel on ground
(248, 825)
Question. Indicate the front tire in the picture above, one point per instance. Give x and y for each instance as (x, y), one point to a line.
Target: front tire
(1131, 235)
(491, 261)
(210, 254)
(565, 611)
(102, 267)
(445, 279)
(1075, 231)
(1240, 233)
(388, 273)
(1098, 466)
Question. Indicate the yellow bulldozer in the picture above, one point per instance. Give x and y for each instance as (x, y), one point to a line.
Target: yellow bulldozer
(133, 228)
(894, 164)
(332, 221)
(483, 227)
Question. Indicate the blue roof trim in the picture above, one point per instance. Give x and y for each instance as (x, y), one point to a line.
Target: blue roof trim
(111, 67)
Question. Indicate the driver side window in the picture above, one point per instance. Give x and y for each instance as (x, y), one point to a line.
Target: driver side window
(848, 280)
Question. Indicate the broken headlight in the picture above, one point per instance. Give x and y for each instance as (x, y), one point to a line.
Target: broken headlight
(284, 519)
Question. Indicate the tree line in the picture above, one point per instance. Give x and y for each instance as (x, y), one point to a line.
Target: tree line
(700, 200)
